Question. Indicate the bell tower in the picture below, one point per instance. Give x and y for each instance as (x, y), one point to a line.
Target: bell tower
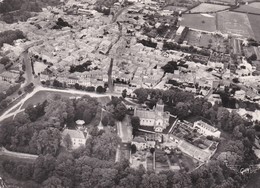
(159, 109)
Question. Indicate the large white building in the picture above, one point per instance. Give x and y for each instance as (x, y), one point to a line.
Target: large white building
(206, 129)
(156, 118)
(78, 137)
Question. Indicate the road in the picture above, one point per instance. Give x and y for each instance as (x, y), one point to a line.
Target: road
(8, 153)
(125, 130)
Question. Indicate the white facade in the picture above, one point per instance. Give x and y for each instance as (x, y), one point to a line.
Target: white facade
(205, 129)
(77, 137)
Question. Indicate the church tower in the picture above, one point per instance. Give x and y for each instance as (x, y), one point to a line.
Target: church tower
(159, 109)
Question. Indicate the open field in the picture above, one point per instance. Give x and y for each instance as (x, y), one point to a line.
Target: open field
(204, 40)
(199, 22)
(248, 9)
(255, 5)
(234, 23)
(230, 2)
(206, 7)
(255, 25)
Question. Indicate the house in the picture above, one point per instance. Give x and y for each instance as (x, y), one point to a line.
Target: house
(206, 129)
(181, 33)
(105, 46)
(9, 76)
(78, 137)
(155, 119)
(240, 94)
(139, 142)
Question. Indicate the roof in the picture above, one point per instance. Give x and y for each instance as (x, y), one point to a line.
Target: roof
(139, 139)
(74, 133)
(205, 125)
(142, 113)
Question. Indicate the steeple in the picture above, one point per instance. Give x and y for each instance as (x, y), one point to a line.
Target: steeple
(159, 109)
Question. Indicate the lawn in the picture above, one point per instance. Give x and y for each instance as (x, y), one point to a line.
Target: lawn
(207, 8)
(248, 9)
(200, 22)
(255, 24)
(41, 96)
(234, 23)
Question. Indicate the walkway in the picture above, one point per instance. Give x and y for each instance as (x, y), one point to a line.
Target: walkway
(8, 153)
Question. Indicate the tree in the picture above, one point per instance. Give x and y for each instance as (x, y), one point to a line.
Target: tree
(182, 110)
(105, 120)
(135, 121)
(124, 92)
(47, 141)
(100, 89)
(142, 94)
(52, 182)
(67, 141)
(120, 112)
(133, 149)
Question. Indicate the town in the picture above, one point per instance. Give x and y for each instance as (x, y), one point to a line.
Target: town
(141, 93)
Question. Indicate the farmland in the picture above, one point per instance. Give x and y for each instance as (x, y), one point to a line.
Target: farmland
(234, 23)
(248, 9)
(207, 8)
(255, 24)
(255, 5)
(200, 22)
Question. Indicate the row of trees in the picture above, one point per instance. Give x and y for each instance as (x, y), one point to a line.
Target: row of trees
(4, 100)
(190, 49)
(79, 170)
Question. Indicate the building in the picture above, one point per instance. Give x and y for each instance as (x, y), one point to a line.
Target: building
(156, 119)
(206, 129)
(181, 34)
(9, 76)
(139, 142)
(78, 137)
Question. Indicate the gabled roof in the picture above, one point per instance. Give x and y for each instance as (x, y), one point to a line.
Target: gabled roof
(74, 133)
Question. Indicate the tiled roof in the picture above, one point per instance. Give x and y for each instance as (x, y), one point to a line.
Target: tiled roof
(74, 133)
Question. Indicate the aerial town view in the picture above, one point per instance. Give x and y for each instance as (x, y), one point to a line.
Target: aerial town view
(129, 93)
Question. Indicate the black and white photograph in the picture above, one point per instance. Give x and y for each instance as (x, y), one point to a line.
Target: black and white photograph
(129, 93)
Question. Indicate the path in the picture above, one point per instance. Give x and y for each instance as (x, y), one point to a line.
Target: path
(8, 153)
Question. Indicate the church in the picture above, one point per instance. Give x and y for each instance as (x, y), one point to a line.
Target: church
(155, 118)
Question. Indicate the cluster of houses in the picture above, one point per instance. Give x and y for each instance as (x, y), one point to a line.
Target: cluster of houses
(155, 123)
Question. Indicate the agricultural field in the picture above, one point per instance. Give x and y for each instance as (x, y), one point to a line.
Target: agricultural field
(255, 5)
(255, 25)
(234, 23)
(248, 9)
(203, 22)
(230, 2)
(207, 8)
(206, 40)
